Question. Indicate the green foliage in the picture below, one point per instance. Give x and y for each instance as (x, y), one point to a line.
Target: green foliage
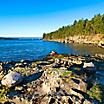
(57, 69)
(96, 92)
(66, 73)
(3, 92)
(81, 27)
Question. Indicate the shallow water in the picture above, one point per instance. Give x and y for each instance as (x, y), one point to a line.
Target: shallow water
(87, 49)
(33, 49)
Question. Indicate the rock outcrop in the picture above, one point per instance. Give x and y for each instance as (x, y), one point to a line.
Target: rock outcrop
(97, 40)
(57, 79)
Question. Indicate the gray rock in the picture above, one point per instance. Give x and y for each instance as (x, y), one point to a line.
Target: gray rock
(89, 64)
(11, 79)
(89, 67)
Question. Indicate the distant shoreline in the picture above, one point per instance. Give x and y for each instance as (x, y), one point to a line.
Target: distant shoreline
(18, 38)
(4, 38)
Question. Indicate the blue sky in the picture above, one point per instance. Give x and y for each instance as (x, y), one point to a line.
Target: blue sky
(31, 18)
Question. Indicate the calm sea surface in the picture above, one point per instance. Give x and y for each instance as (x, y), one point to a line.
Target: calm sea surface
(33, 49)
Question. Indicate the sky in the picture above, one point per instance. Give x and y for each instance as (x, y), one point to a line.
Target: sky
(32, 18)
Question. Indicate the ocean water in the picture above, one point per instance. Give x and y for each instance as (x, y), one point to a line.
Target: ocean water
(34, 49)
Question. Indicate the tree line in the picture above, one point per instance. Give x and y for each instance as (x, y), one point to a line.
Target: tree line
(80, 27)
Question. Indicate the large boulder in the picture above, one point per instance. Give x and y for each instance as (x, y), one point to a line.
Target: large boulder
(11, 79)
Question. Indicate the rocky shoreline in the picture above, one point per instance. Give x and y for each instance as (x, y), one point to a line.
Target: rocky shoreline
(57, 79)
(97, 40)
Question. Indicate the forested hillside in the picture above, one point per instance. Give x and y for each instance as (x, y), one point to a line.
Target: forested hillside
(79, 28)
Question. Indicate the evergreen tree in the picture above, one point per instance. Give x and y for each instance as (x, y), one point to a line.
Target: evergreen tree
(81, 27)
